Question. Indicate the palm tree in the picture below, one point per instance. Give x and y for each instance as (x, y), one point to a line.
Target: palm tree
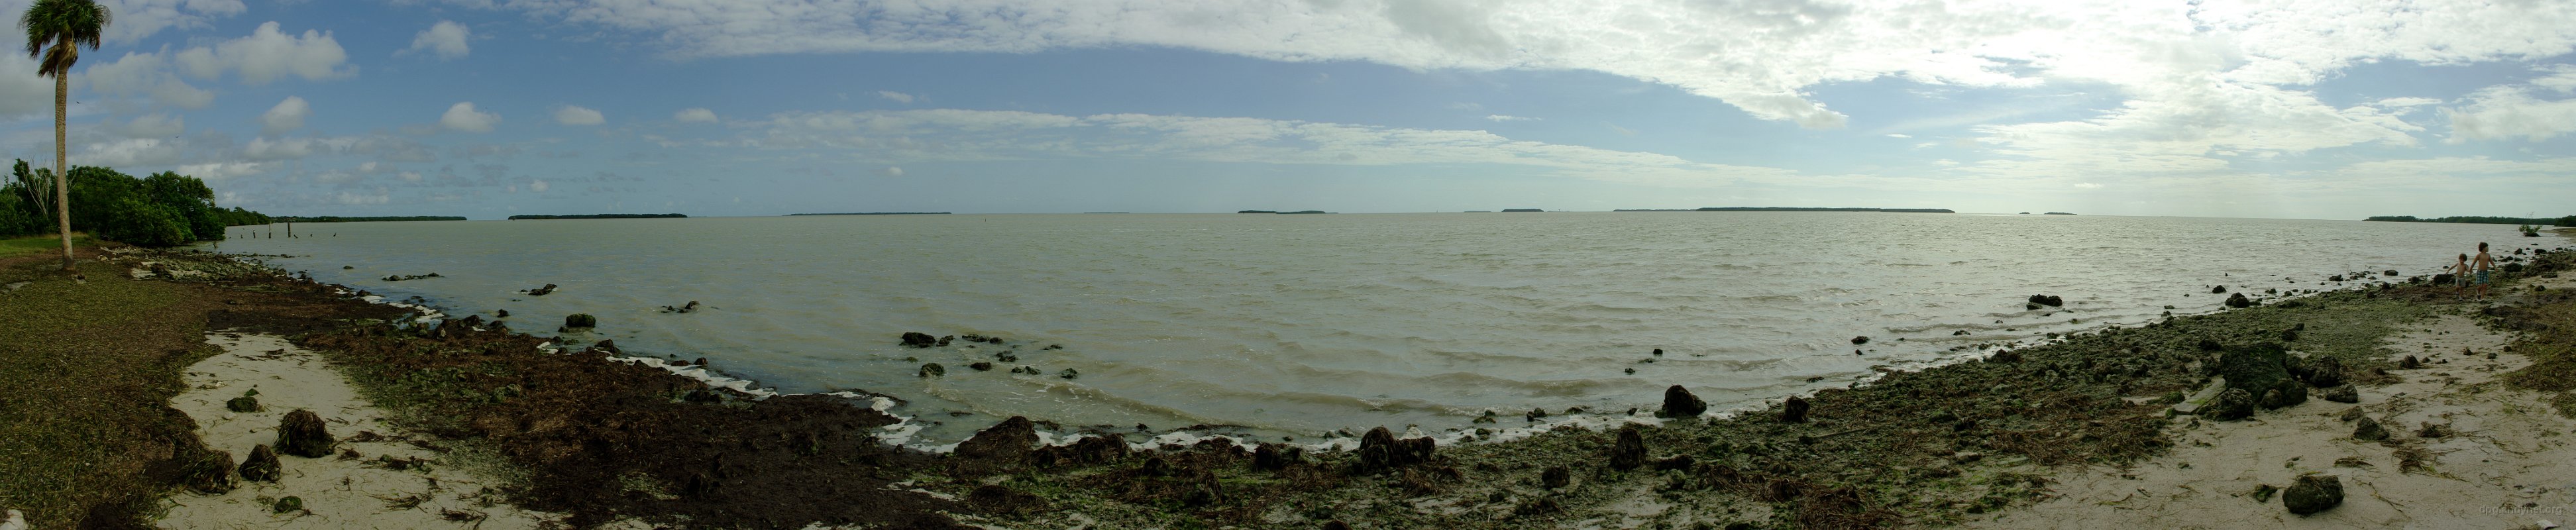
(56, 29)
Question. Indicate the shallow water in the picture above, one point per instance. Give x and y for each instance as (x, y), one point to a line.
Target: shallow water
(1297, 324)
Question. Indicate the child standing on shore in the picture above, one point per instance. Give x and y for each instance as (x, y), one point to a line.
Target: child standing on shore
(2483, 263)
(2460, 277)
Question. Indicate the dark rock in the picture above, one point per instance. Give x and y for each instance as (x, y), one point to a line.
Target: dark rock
(1860, 340)
(261, 465)
(2239, 301)
(2390, 272)
(1629, 451)
(2340, 394)
(1794, 411)
(2368, 430)
(1380, 451)
(1273, 457)
(609, 346)
(2289, 336)
(944, 339)
(2218, 290)
(702, 361)
(2232, 404)
(580, 321)
(290, 503)
(2443, 279)
(2211, 345)
(2432, 431)
(2047, 300)
(2006, 356)
(1100, 449)
(1002, 445)
(2410, 363)
(2324, 372)
(919, 340)
(934, 370)
(242, 404)
(1555, 477)
(981, 366)
(542, 291)
(2313, 493)
(2263, 367)
(501, 313)
(1068, 373)
(2271, 399)
(303, 434)
(2335, 278)
(1679, 403)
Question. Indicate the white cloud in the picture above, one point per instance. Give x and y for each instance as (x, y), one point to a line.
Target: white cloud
(410, 176)
(155, 125)
(1899, 135)
(893, 171)
(695, 115)
(288, 115)
(212, 171)
(447, 39)
(2517, 111)
(147, 75)
(894, 96)
(268, 54)
(2087, 186)
(972, 135)
(463, 117)
(538, 186)
(575, 115)
(1500, 117)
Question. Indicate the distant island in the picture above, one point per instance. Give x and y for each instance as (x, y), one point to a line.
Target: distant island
(602, 216)
(2057, 213)
(339, 219)
(2475, 219)
(865, 213)
(1257, 211)
(1522, 210)
(1301, 212)
(1795, 209)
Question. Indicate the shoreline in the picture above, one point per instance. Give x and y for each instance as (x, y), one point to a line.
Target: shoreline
(1716, 469)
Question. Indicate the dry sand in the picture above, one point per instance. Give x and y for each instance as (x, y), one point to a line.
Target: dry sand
(2507, 463)
(337, 492)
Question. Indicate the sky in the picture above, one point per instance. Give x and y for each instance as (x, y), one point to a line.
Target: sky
(2325, 109)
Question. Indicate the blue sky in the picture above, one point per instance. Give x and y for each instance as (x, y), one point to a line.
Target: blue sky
(487, 108)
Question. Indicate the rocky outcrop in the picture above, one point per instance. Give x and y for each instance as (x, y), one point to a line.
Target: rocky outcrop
(933, 370)
(1860, 340)
(2324, 372)
(1629, 451)
(1274, 457)
(2340, 394)
(918, 339)
(2313, 493)
(541, 291)
(580, 321)
(1679, 403)
(2047, 300)
(302, 433)
(1003, 445)
(2222, 289)
(246, 403)
(1380, 451)
(2259, 369)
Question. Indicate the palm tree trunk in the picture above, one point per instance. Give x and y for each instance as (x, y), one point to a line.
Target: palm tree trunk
(62, 177)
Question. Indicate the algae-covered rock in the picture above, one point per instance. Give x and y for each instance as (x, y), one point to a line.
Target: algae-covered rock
(2368, 430)
(933, 370)
(303, 434)
(580, 321)
(2239, 301)
(2313, 493)
(981, 366)
(2232, 404)
(2340, 394)
(205, 470)
(1629, 451)
(1680, 403)
(2325, 372)
(1003, 444)
(242, 404)
(261, 465)
(1273, 457)
(1380, 451)
(1795, 411)
(2258, 368)
(918, 339)
(1555, 477)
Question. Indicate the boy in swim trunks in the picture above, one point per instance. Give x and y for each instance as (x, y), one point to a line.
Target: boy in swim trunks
(2483, 263)
(2459, 277)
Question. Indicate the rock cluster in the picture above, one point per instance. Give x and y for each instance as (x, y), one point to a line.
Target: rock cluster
(1380, 451)
(401, 277)
(2038, 300)
(2313, 493)
(261, 465)
(541, 291)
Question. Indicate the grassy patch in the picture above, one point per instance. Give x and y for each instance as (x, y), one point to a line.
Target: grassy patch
(86, 436)
(40, 245)
(2548, 322)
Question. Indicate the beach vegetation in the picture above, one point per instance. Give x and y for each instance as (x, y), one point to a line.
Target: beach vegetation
(163, 209)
